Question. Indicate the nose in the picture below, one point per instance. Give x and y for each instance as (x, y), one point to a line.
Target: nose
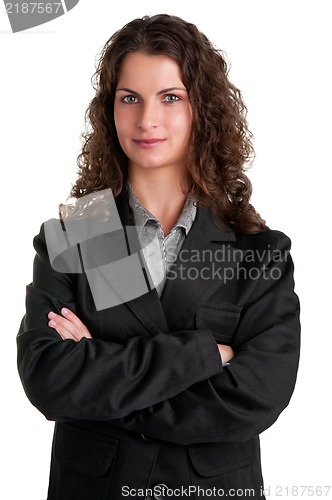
(148, 116)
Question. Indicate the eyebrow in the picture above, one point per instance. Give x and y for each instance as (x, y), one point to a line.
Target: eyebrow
(164, 91)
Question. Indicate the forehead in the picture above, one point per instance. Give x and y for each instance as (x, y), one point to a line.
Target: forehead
(140, 68)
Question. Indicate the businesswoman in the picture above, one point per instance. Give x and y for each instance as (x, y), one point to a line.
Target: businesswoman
(165, 393)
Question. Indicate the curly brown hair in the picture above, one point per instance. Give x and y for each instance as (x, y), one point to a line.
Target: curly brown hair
(220, 147)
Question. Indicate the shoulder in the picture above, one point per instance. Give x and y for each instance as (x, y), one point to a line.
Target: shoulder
(55, 246)
(39, 240)
(271, 238)
(270, 247)
(46, 229)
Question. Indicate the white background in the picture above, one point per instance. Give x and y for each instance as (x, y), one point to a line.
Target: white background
(281, 60)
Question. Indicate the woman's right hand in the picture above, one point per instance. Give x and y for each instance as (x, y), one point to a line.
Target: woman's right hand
(226, 352)
(68, 326)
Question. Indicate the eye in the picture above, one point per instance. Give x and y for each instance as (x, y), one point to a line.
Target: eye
(129, 99)
(171, 98)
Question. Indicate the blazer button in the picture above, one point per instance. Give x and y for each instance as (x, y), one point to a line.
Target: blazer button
(147, 438)
(161, 492)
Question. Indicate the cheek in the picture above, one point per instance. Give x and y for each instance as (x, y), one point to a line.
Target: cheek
(120, 130)
(182, 125)
(122, 121)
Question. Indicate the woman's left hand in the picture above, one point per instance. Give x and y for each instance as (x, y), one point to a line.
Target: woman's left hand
(69, 326)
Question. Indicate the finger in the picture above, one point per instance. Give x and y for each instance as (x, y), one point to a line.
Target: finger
(77, 330)
(70, 316)
(64, 334)
(81, 329)
(226, 352)
(60, 320)
(63, 326)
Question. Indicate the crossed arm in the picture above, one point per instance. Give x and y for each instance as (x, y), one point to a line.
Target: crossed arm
(69, 326)
(169, 386)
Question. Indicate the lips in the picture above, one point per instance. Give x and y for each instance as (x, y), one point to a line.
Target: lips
(148, 143)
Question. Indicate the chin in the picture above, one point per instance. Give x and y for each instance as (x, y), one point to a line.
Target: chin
(148, 164)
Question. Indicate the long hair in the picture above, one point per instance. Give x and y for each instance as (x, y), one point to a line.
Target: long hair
(220, 146)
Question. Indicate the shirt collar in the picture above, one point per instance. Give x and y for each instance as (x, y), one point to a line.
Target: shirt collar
(143, 216)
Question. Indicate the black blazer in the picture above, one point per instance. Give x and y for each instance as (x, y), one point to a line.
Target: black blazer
(152, 372)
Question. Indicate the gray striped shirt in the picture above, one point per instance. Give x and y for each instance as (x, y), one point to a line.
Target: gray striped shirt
(160, 252)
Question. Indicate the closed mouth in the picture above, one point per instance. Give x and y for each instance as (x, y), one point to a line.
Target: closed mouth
(148, 141)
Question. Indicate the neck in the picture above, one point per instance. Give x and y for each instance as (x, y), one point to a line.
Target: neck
(160, 192)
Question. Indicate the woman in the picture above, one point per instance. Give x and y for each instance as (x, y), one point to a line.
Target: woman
(166, 391)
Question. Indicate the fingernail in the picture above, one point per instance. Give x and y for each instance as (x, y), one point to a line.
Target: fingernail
(64, 310)
(52, 314)
(52, 323)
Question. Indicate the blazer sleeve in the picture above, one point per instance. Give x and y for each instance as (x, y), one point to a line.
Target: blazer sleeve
(250, 393)
(95, 379)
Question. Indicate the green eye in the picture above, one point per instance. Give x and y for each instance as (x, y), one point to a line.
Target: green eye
(130, 99)
(171, 98)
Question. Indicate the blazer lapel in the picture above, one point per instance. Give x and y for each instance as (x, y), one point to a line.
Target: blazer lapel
(206, 254)
(147, 308)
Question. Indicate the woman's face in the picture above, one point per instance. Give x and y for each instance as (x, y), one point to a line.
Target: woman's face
(152, 112)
